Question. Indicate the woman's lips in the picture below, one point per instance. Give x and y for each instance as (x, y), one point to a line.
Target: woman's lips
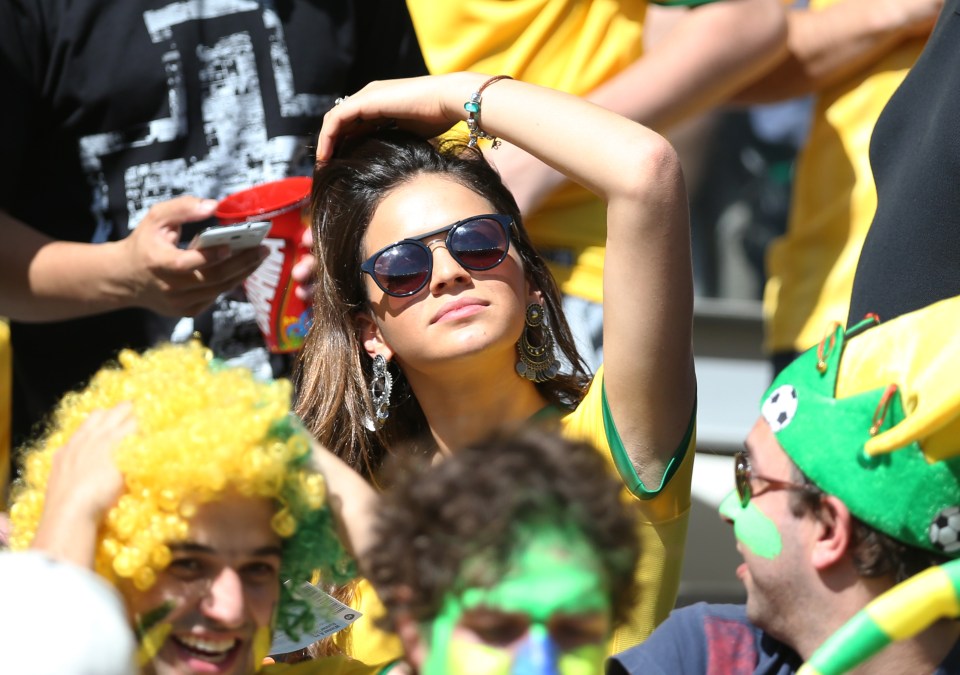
(458, 309)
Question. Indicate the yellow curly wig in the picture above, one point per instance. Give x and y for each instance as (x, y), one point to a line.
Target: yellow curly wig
(202, 429)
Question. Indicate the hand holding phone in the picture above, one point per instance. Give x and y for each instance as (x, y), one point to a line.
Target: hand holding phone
(238, 237)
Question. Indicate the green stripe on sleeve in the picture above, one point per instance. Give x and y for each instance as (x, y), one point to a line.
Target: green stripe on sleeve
(622, 460)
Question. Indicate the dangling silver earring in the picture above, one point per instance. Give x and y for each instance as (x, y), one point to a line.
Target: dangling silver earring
(537, 363)
(380, 388)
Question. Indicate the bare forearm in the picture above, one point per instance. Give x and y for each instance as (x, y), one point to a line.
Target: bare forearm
(351, 498)
(42, 279)
(64, 536)
(47, 280)
(603, 151)
(710, 54)
(830, 45)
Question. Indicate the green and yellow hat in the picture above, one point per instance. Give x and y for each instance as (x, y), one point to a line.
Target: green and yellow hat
(873, 417)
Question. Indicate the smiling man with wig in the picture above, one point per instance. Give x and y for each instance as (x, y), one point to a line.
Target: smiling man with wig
(186, 485)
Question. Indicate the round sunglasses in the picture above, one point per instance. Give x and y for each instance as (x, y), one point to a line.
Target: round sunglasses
(476, 243)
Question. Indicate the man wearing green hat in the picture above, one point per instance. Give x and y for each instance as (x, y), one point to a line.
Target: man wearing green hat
(849, 484)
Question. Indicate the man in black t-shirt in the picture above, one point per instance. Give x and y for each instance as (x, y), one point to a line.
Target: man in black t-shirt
(122, 122)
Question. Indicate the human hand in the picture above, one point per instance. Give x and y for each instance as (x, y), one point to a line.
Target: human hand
(304, 270)
(427, 106)
(83, 477)
(83, 484)
(4, 530)
(175, 282)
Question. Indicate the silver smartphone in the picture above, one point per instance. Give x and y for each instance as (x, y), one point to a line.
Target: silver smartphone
(238, 237)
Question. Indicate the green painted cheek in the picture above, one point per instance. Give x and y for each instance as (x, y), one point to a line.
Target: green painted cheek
(582, 661)
(752, 529)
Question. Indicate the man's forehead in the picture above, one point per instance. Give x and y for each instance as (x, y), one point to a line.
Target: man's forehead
(233, 524)
(188, 546)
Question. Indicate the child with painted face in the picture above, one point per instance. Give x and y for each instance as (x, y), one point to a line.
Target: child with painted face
(534, 585)
(436, 322)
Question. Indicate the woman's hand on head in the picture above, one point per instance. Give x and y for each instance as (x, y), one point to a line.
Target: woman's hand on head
(427, 106)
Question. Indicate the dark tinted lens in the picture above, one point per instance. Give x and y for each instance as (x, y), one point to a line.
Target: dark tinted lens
(402, 269)
(479, 244)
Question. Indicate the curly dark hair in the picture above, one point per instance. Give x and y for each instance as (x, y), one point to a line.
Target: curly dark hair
(874, 553)
(434, 519)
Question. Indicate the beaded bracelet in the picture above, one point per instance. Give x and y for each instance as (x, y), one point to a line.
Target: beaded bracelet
(473, 114)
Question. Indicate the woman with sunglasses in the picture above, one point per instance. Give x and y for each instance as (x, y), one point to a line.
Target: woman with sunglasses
(436, 322)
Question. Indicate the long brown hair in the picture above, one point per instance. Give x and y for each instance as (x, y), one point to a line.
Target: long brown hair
(334, 370)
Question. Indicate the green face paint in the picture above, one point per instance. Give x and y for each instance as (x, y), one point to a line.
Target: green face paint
(553, 572)
(152, 631)
(752, 529)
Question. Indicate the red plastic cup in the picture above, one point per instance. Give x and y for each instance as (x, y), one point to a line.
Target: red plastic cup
(283, 318)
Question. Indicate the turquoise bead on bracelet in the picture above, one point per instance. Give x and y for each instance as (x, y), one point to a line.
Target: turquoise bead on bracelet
(472, 107)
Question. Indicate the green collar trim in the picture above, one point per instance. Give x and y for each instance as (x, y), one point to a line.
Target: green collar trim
(548, 413)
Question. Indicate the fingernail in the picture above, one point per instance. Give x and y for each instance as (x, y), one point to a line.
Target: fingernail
(207, 204)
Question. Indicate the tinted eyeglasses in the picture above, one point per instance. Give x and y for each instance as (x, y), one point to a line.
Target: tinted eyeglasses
(476, 243)
(743, 475)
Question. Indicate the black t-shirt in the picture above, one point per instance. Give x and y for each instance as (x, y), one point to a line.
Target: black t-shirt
(911, 255)
(109, 107)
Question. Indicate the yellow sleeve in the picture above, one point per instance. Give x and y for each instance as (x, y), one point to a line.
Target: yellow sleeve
(663, 513)
(366, 641)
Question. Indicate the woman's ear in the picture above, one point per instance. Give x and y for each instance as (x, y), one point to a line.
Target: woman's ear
(534, 294)
(368, 332)
(834, 533)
